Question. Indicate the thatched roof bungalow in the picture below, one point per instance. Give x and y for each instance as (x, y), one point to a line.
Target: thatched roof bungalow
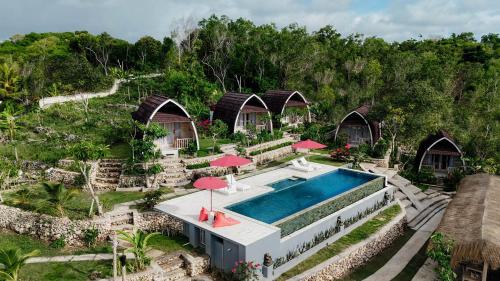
(290, 106)
(440, 153)
(171, 116)
(358, 128)
(238, 110)
(472, 221)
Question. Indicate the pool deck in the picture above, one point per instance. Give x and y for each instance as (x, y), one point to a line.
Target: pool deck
(187, 207)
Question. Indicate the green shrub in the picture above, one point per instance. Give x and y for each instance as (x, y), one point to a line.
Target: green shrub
(426, 175)
(90, 236)
(198, 166)
(452, 180)
(151, 199)
(59, 243)
(379, 149)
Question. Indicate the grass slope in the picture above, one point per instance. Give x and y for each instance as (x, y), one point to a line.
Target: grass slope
(64, 271)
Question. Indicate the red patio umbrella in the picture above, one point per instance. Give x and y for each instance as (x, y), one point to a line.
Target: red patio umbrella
(210, 183)
(230, 160)
(308, 144)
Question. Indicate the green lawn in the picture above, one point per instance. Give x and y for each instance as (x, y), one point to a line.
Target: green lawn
(26, 243)
(170, 244)
(63, 271)
(119, 151)
(355, 236)
(76, 208)
(324, 159)
(208, 143)
(380, 260)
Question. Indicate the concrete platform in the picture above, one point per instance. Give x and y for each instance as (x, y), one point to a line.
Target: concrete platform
(187, 207)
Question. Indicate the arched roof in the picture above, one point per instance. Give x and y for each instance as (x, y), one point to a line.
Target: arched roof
(440, 138)
(373, 126)
(171, 111)
(230, 105)
(276, 100)
(152, 104)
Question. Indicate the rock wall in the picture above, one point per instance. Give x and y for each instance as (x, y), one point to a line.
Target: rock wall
(271, 155)
(49, 228)
(67, 177)
(199, 160)
(344, 263)
(268, 144)
(195, 265)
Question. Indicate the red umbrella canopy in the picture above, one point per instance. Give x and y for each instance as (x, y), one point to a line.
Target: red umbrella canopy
(308, 144)
(230, 161)
(209, 183)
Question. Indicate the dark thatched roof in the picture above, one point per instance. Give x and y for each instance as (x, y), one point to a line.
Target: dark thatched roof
(276, 100)
(472, 221)
(228, 107)
(447, 146)
(363, 112)
(170, 111)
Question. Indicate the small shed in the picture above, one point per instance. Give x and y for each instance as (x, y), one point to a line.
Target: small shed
(238, 110)
(472, 221)
(171, 116)
(440, 153)
(283, 105)
(358, 128)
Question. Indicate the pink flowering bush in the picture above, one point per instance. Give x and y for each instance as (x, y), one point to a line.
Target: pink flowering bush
(341, 153)
(245, 271)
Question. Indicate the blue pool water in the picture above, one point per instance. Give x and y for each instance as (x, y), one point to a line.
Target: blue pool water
(293, 195)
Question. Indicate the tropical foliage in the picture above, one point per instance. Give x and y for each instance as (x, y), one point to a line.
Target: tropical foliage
(11, 261)
(140, 245)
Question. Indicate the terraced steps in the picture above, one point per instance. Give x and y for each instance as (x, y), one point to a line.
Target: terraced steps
(107, 176)
(173, 267)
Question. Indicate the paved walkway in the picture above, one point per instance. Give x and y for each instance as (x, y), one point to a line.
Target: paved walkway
(48, 101)
(399, 261)
(70, 258)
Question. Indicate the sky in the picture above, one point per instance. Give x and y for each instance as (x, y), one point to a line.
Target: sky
(131, 19)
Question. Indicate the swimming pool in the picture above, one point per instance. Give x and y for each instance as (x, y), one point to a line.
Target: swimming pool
(293, 195)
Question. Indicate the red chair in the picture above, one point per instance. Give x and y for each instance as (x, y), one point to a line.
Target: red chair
(221, 220)
(203, 214)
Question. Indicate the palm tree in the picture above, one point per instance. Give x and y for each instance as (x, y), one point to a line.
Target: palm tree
(12, 261)
(9, 79)
(357, 157)
(139, 241)
(58, 196)
(8, 123)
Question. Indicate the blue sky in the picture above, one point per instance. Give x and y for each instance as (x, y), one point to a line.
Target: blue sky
(131, 19)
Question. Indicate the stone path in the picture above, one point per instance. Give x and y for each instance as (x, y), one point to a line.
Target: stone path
(399, 261)
(71, 258)
(48, 101)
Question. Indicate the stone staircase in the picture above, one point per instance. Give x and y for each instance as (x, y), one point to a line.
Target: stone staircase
(420, 206)
(229, 149)
(107, 176)
(123, 219)
(173, 267)
(174, 173)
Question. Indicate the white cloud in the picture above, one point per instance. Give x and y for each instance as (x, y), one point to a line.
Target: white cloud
(129, 19)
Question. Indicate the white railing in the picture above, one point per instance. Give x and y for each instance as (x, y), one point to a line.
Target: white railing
(182, 143)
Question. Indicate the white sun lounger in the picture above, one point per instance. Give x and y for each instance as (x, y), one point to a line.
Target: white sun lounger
(236, 184)
(230, 189)
(297, 166)
(305, 163)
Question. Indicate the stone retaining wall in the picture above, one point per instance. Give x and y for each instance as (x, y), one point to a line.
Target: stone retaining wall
(62, 176)
(198, 160)
(195, 265)
(50, 228)
(268, 144)
(357, 255)
(271, 155)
